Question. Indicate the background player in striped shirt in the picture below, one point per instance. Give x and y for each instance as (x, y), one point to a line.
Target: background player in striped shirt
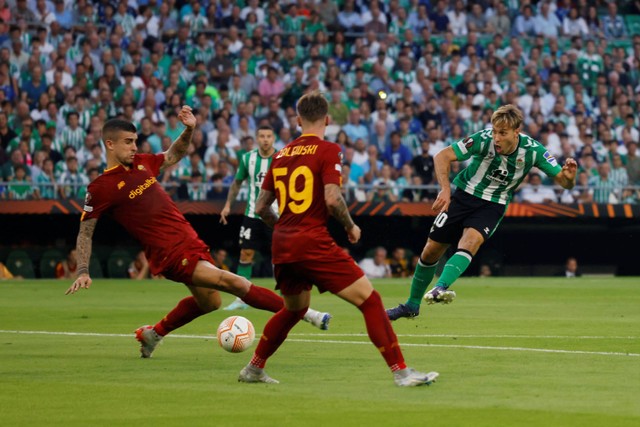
(254, 233)
(500, 160)
(306, 178)
(129, 192)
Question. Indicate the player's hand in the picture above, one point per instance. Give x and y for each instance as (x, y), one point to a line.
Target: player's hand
(442, 201)
(186, 117)
(224, 213)
(570, 168)
(83, 281)
(354, 234)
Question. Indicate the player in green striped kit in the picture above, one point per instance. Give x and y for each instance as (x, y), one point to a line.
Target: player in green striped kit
(500, 157)
(254, 234)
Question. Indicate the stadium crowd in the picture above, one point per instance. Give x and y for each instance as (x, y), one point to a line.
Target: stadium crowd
(404, 79)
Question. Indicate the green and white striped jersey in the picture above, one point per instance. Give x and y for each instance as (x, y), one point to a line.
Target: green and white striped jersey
(253, 168)
(494, 177)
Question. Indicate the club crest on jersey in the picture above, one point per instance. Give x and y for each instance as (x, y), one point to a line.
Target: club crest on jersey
(120, 185)
(87, 200)
(140, 167)
(520, 163)
(550, 159)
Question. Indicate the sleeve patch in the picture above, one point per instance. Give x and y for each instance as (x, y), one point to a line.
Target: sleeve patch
(550, 159)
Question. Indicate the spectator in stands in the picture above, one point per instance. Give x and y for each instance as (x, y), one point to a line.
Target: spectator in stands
(535, 192)
(72, 182)
(485, 271)
(603, 186)
(525, 23)
(396, 154)
(5, 274)
(398, 263)
(196, 189)
(500, 22)
(16, 159)
(574, 25)
(547, 23)
(66, 269)
(376, 267)
(458, 19)
(613, 24)
(220, 259)
(6, 133)
(570, 269)
(271, 86)
(349, 18)
(633, 163)
(477, 20)
(355, 129)
(384, 188)
(139, 267)
(19, 186)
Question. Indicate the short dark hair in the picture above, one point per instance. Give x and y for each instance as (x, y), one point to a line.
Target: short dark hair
(265, 127)
(312, 107)
(116, 125)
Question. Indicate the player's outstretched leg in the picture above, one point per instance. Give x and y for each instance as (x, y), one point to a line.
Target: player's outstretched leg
(318, 319)
(439, 294)
(455, 266)
(273, 335)
(252, 374)
(422, 276)
(184, 312)
(409, 377)
(148, 339)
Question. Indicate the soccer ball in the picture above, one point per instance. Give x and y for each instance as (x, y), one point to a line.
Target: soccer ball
(236, 334)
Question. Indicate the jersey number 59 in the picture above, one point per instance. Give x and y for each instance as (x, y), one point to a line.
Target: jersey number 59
(298, 201)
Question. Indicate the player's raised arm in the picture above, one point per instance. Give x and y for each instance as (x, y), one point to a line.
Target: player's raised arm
(178, 148)
(567, 176)
(264, 207)
(83, 254)
(442, 162)
(339, 210)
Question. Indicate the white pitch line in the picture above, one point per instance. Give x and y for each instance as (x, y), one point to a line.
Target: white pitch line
(329, 334)
(470, 347)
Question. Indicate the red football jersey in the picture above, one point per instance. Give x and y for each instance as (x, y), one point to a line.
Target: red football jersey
(136, 200)
(297, 176)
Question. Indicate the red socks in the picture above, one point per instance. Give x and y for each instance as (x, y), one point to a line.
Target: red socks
(274, 334)
(263, 299)
(381, 333)
(183, 313)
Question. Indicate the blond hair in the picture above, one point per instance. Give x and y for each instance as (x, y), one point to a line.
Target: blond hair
(507, 116)
(312, 107)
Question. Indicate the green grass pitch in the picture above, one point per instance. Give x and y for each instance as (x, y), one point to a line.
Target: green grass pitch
(510, 352)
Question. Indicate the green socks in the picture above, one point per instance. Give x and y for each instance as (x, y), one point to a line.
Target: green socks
(455, 266)
(420, 282)
(245, 270)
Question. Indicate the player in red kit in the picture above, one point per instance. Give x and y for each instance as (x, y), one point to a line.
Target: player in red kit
(305, 177)
(128, 191)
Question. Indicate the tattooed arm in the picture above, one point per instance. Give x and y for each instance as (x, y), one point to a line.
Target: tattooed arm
(178, 148)
(83, 249)
(338, 209)
(264, 209)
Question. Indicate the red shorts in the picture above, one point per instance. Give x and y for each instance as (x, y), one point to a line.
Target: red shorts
(331, 272)
(181, 269)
